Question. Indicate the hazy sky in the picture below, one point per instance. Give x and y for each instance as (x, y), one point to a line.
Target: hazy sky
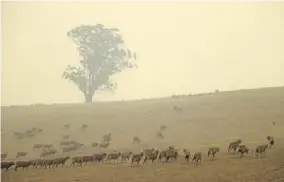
(183, 47)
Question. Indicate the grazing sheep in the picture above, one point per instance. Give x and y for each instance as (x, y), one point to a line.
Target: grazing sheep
(242, 146)
(136, 158)
(197, 157)
(79, 145)
(65, 137)
(242, 150)
(84, 126)
(159, 135)
(186, 155)
(234, 145)
(151, 156)
(37, 146)
(77, 160)
(47, 146)
(261, 150)
(171, 154)
(21, 154)
(39, 130)
(69, 148)
(22, 164)
(70, 142)
(48, 162)
(178, 109)
(162, 155)
(34, 128)
(113, 156)
(3, 156)
(29, 131)
(36, 162)
(21, 135)
(66, 125)
(60, 160)
(48, 152)
(271, 141)
(163, 127)
(125, 155)
(6, 165)
(17, 133)
(80, 160)
(212, 151)
(136, 140)
(104, 144)
(94, 144)
(99, 157)
(107, 138)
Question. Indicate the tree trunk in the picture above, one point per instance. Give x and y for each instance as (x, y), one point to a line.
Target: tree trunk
(88, 98)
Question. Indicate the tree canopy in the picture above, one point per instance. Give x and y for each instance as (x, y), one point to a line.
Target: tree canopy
(103, 54)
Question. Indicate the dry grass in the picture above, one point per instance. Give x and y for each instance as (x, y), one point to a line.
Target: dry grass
(205, 121)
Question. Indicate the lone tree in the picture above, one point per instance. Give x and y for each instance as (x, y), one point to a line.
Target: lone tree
(103, 54)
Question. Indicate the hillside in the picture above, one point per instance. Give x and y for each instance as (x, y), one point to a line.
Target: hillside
(203, 121)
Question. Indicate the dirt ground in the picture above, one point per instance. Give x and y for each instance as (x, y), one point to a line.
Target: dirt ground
(204, 121)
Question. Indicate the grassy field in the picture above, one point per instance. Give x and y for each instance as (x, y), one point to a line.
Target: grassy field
(205, 121)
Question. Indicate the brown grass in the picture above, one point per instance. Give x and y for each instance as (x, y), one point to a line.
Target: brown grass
(205, 121)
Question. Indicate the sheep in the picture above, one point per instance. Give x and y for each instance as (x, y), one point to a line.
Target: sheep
(197, 157)
(78, 160)
(136, 158)
(171, 154)
(29, 131)
(21, 135)
(178, 109)
(34, 129)
(234, 145)
(60, 160)
(99, 157)
(148, 151)
(66, 125)
(271, 141)
(48, 162)
(36, 162)
(37, 146)
(69, 148)
(104, 144)
(17, 133)
(261, 150)
(107, 138)
(48, 152)
(241, 150)
(3, 156)
(70, 142)
(186, 155)
(84, 126)
(212, 151)
(79, 145)
(163, 127)
(22, 164)
(6, 165)
(88, 158)
(94, 144)
(136, 140)
(151, 156)
(159, 135)
(47, 146)
(113, 156)
(39, 130)
(125, 155)
(162, 154)
(65, 137)
(21, 154)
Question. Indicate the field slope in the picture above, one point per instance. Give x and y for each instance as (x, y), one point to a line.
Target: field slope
(204, 121)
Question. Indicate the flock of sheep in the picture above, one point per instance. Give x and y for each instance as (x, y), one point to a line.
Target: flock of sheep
(153, 155)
